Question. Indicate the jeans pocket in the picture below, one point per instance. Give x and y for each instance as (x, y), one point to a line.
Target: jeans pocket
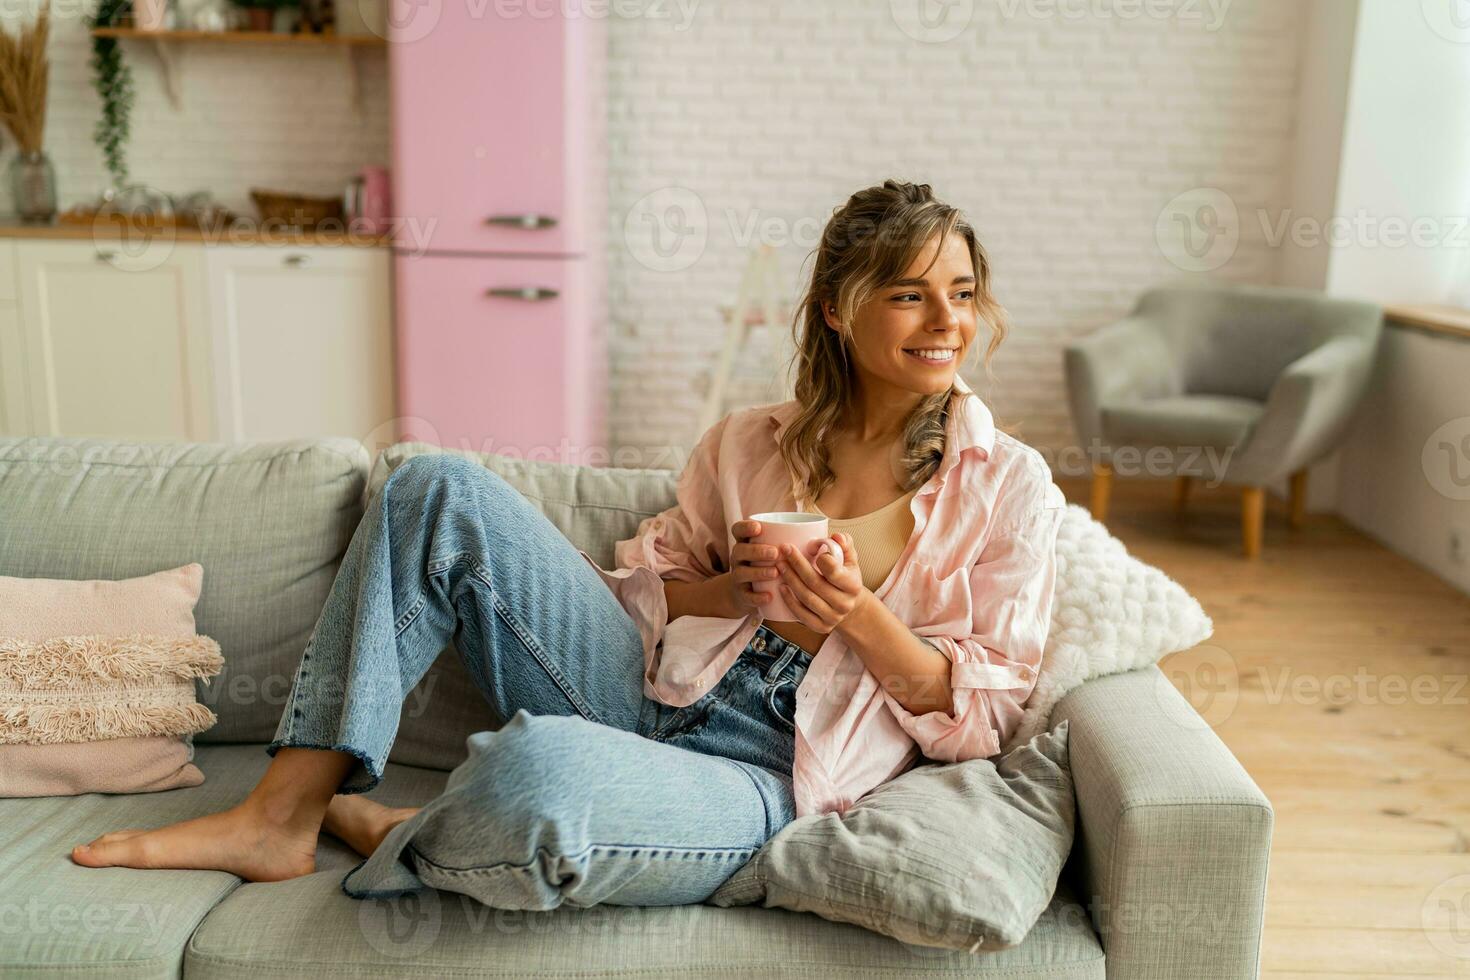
(692, 717)
(684, 720)
(781, 703)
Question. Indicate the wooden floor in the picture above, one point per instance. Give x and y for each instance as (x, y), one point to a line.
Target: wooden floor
(1338, 676)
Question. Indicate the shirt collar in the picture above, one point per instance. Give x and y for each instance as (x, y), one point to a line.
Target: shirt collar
(970, 428)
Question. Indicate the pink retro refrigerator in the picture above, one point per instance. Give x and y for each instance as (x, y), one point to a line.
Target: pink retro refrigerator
(499, 265)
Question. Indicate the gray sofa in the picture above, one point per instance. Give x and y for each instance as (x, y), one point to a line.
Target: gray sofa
(1167, 879)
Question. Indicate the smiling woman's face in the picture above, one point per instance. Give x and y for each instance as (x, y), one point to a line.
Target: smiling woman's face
(912, 335)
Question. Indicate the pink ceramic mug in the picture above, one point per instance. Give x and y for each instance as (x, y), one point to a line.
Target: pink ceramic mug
(805, 531)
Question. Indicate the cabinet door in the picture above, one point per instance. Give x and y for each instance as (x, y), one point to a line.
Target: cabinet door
(492, 120)
(15, 401)
(492, 356)
(15, 405)
(116, 346)
(303, 341)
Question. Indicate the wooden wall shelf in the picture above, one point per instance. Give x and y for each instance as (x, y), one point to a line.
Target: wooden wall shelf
(167, 46)
(243, 37)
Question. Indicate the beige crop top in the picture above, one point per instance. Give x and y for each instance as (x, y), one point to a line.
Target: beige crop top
(879, 536)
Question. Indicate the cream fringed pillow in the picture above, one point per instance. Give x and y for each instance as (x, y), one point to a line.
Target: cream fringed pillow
(97, 684)
(88, 688)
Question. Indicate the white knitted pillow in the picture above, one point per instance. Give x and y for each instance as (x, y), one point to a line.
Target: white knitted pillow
(1111, 613)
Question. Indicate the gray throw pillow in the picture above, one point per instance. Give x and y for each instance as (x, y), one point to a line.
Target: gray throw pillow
(961, 856)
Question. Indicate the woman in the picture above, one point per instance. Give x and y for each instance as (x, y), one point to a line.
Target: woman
(660, 731)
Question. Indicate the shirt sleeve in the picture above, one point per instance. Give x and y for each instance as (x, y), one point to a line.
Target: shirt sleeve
(994, 666)
(688, 541)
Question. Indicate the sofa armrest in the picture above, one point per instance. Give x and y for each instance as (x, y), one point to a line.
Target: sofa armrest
(1128, 358)
(1308, 409)
(1175, 835)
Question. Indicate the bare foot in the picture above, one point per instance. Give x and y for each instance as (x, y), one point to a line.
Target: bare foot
(239, 840)
(361, 823)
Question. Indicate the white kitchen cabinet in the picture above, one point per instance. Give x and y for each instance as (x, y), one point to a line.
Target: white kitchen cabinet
(15, 406)
(303, 341)
(112, 344)
(15, 402)
(217, 342)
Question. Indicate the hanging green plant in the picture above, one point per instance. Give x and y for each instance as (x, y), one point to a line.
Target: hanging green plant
(113, 80)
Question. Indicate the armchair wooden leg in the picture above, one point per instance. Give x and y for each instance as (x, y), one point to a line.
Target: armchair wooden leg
(1102, 489)
(1298, 510)
(1252, 519)
(1182, 486)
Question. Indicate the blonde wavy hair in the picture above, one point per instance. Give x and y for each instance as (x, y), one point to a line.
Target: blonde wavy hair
(866, 245)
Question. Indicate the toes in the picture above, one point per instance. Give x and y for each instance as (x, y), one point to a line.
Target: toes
(90, 855)
(118, 835)
(119, 849)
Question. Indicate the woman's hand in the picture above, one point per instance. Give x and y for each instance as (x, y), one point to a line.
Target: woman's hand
(746, 568)
(824, 595)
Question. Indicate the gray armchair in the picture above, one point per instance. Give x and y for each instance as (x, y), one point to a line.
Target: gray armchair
(1235, 384)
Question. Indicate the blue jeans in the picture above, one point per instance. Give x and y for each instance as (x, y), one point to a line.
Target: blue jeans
(591, 792)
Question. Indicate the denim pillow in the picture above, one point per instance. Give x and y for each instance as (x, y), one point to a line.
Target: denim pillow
(959, 856)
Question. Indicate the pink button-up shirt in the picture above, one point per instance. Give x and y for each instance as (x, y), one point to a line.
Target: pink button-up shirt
(975, 581)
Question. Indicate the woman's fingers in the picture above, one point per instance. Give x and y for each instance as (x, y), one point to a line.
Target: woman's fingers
(796, 585)
(751, 553)
(813, 580)
(818, 606)
(754, 597)
(745, 529)
(749, 576)
(805, 614)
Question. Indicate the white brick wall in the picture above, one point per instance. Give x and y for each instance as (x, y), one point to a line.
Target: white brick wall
(1062, 138)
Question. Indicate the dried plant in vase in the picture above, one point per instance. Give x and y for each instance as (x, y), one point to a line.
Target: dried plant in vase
(23, 76)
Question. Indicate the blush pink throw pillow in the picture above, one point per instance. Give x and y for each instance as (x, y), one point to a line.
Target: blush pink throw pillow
(73, 755)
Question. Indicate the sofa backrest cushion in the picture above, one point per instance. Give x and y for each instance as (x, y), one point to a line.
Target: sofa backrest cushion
(268, 521)
(595, 507)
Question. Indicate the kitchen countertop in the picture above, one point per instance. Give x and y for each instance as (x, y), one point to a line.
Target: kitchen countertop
(104, 230)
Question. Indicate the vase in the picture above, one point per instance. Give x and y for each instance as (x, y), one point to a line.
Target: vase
(33, 186)
(150, 15)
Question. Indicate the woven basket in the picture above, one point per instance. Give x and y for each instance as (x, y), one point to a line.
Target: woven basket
(296, 210)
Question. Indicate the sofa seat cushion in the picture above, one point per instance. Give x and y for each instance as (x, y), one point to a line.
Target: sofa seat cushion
(59, 919)
(308, 927)
(1182, 422)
